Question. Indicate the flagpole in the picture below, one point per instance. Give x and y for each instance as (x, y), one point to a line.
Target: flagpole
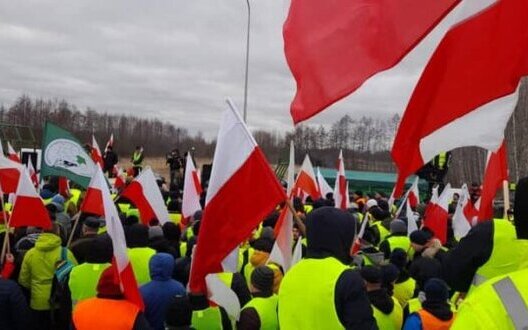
(247, 61)
(75, 225)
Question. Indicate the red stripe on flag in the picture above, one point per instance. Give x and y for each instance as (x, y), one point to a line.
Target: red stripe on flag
(30, 211)
(93, 202)
(308, 185)
(134, 192)
(197, 183)
(9, 178)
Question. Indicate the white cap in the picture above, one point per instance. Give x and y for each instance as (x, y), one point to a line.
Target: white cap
(371, 203)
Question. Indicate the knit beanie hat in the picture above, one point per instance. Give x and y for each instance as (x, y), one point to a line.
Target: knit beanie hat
(262, 278)
(371, 274)
(371, 203)
(108, 286)
(420, 237)
(155, 232)
(436, 290)
(398, 226)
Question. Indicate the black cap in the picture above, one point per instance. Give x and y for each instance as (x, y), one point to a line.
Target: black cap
(371, 274)
(262, 278)
(420, 237)
(92, 222)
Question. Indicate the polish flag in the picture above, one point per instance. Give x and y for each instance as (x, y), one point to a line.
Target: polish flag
(291, 170)
(32, 173)
(93, 200)
(324, 187)
(356, 246)
(414, 194)
(96, 155)
(469, 88)
(334, 46)
(12, 154)
(125, 273)
(437, 213)
(496, 173)
(341, 185)
(146, 195)
(110, 142)
(306, 180)
(411, 218)
(120, 181)
(192, 189)
(281, 253)
(242, 191)
(28, 207)
(461, 221)
(10, 173)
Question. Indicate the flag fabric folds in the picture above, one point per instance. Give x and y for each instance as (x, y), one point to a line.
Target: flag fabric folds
(10, 173)
(341, 185)
(332, 47)
(28, 208)
(437, 213)
(281, 253)
(496, 173)
(12, 154)
(96, 154)
(192, 189)
(63, 155)
(146, 196)
(461, 221)
(469, 88)
(242, 191)
(306, 181)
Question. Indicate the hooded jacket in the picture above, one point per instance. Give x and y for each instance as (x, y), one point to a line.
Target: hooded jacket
(38, 268)
(158, 293)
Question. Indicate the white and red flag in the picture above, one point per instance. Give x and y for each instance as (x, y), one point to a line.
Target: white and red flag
(436, 214)
(96, 154)
(110, 142)
(306, 181)
(242, 191)
(281, 253)
(146, 196)
(414, 194)
(28, 208)
(469, 88)
(324, 187)
(98, 190)
(120, 178)
(341, 185)
(10, 173)
(494, 176)
(12, 154)
(462, 218)
(32, 173)
(192, 190)
(332, 47)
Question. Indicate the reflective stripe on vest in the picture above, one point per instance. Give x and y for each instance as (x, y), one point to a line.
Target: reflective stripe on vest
(392, 321)
(94, 313)
(267, 311)
(305, 303)
(513, 302)
(207, 319)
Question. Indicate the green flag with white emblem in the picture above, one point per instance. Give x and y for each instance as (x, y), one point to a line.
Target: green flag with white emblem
(63, 155)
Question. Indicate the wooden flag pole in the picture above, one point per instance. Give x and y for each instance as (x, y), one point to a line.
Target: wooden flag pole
(506, 198)
(76, 219)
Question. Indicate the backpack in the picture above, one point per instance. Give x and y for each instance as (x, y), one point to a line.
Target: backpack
(60, 297)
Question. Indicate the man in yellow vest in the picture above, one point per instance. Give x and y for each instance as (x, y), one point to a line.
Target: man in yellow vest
(405, 285)
(137, 240)
(261, 311)
(435, 312)
(387, 311)
(500, 303)
(322, 291)
(492, 248)
(397, 239)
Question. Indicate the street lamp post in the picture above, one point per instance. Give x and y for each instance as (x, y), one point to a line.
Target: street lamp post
(247, 61)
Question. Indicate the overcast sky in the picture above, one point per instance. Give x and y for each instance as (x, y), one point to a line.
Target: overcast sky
(169, 59)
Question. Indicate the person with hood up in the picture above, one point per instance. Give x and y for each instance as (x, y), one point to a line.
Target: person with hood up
(405, 285)
(435, 312)
(397, 239)
(491, 248)
(322, 291)
(137, 239)
(158, 293)
(110, 309)
(380, 220)
(387, 311)
(261, 311)
(37, 271)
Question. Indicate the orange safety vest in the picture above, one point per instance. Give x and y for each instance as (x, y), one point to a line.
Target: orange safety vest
(99, 313)
(430, 322)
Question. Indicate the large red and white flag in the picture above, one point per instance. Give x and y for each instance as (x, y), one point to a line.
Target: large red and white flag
(110, 142)
(469, 88)
(461, 218)
(341, 185)
(12, 154)
(436, 214)
(32, 173)
(334, 46)
(100, 192)
(96, 155)
(28, 208)
(324, 187)
(93, 200)
(192, 190)
(242, 191)
(10, 173)
(146, 196)
(494, 176)
(281, 253)
(306, 181)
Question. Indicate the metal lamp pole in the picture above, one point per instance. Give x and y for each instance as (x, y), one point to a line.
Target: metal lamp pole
(247, 61)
